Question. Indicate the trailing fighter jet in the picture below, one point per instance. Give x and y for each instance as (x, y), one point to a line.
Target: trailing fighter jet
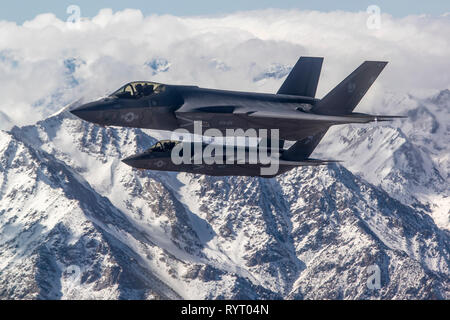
(293, 110)
(161, 157)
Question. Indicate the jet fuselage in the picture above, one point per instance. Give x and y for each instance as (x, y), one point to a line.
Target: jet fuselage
(177, 107)
(177, 156)
(293, 113)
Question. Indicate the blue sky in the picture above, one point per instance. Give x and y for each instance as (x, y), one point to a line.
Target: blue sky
(21, 10)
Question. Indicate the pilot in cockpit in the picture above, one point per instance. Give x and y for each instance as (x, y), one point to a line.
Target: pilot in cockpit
(148, 89)
(139, 90)
(163, 146)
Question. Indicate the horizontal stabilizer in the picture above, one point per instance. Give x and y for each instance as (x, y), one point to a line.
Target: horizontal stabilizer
(371, 118)
(307, 162)
(303, 78)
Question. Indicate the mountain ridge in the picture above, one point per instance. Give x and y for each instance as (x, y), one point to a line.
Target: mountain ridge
(76, 223)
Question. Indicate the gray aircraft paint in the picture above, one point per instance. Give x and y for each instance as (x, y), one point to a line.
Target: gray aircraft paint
(294, 111)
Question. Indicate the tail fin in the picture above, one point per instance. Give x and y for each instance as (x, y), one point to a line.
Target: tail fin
(346, 95)
(302, 149)
(303, 78)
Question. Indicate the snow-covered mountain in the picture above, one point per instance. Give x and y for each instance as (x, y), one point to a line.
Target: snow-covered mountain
(409, 159)
(75, 222)
(274, 71)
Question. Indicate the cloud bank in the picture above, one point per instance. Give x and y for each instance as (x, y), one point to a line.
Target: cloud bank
(46, 63)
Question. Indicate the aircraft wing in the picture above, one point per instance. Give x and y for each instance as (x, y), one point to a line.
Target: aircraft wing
(319, 118)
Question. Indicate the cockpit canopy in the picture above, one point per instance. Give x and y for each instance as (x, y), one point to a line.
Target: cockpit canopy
(163, 146)
(139, 89)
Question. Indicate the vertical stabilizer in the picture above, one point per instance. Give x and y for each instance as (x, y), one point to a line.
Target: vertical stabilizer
(303, 78)
(344, 98)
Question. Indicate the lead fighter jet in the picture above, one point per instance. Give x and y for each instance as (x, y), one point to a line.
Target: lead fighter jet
(293, 110)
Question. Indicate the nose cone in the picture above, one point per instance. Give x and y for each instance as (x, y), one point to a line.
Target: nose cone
(88, 112)
(140, 161)
(111, 112)
(131, 161)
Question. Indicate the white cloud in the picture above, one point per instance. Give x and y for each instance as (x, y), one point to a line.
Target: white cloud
(227, 52)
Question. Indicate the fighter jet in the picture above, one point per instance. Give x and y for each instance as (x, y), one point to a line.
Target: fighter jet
(293, 110)
(239, 162)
